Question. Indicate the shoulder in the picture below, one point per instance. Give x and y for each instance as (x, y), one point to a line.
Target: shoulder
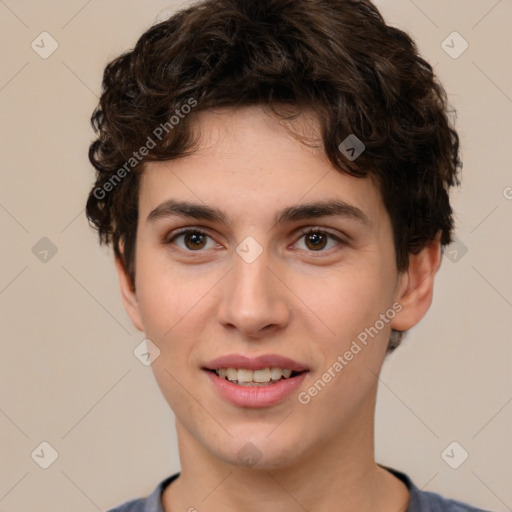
(152, 503)
(426, 501)
(138, 505)
(423, 501)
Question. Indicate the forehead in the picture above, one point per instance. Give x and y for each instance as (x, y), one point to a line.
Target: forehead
(248, 162)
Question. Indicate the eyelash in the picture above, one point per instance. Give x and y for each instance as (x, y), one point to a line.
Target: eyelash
(303, 232)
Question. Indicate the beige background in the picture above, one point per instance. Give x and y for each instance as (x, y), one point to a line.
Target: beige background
(68, 373)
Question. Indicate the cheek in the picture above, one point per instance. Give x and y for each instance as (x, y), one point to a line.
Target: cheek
(167, 294)
(174, 303)
(348, 304)
(351, 358)
(169, 303)
(348, 299)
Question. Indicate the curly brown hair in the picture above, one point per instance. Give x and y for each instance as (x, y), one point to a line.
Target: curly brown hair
(337, 58)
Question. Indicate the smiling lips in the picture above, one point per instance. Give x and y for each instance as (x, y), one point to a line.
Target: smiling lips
(255, 382)
(263, 377)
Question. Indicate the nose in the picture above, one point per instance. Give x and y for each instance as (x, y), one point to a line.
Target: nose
(254, 299)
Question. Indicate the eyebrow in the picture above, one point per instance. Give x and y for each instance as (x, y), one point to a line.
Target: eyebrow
(326, 208)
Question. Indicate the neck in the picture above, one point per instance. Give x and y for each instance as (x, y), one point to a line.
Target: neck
(334, 474)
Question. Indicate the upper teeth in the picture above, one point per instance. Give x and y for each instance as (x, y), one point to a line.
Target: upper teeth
(244, 375)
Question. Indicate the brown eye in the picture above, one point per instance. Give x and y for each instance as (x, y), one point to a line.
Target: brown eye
(316, 240)
(193, 240)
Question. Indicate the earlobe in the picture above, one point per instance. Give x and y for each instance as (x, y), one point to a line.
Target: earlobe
(416, 286)
(128, 295)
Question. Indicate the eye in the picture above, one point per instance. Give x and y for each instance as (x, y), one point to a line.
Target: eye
(194, 239)
(316, 240)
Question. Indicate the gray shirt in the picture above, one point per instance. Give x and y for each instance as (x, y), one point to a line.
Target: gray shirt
(421, 501)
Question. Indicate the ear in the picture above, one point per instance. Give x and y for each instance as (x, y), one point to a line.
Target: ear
(129, 296)
(416, 285)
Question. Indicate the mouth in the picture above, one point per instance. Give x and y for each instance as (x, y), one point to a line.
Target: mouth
(255, 378)
(255, 383)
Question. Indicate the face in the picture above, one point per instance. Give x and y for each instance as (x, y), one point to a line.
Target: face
(254, 275)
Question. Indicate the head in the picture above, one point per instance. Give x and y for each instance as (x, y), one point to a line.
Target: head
(243, 108)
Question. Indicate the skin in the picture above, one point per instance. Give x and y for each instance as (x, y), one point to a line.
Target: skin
(302, 301)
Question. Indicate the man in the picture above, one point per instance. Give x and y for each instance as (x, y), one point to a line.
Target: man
(274, 178)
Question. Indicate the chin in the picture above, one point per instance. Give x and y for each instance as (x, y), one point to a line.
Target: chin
(259, 451)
